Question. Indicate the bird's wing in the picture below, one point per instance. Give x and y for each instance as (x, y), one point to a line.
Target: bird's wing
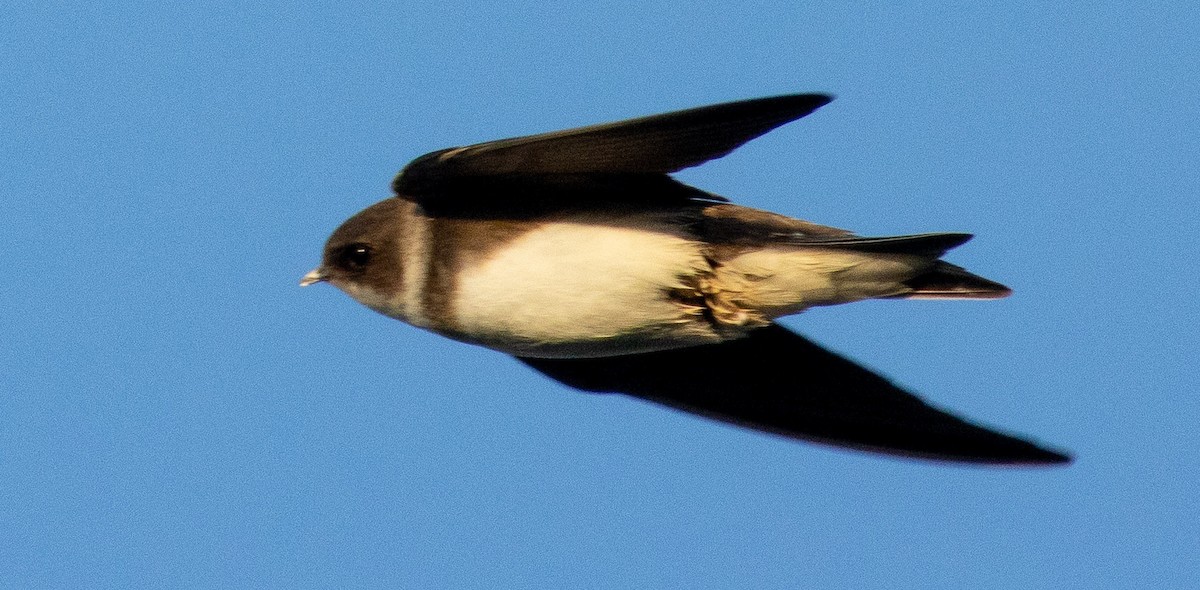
(644, 148)
(777, 381)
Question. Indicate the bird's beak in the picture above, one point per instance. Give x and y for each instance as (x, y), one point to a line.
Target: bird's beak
(313, 276)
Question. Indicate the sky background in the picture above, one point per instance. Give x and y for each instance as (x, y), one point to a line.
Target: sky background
(176, 412)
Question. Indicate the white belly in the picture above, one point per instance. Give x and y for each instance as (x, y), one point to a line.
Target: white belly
(569, 288)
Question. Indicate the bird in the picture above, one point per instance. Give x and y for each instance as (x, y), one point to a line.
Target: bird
(577, 253)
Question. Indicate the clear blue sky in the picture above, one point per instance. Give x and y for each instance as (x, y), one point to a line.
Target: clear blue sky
(176, 411)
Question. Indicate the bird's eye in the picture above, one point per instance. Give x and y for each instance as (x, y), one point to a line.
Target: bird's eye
(354, 257)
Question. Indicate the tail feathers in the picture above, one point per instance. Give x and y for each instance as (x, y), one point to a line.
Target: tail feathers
(932, 245)
(947, 281)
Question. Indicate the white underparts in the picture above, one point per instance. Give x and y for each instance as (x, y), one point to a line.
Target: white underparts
(773, 282)
(578, 288)
(567, 284)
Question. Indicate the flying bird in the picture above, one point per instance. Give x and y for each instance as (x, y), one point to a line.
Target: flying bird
(576, 252)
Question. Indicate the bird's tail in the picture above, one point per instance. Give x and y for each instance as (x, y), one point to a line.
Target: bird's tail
(756, 286)
(947, 281)
(943, 280)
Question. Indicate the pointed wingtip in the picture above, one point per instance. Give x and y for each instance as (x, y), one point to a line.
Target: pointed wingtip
(1049, 458)
(1034, 456)
(776, 381)
(805, 102)
(825, 97)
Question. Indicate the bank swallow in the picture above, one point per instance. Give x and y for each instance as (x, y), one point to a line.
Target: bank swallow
(576, 252)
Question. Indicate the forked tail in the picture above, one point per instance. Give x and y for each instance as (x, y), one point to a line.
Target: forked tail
(943, 280)
(947, 281)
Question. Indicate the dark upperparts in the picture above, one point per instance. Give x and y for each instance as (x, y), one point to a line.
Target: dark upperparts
(636, 152)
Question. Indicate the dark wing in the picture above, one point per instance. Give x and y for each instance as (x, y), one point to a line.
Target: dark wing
(777, 381)
(642, 148)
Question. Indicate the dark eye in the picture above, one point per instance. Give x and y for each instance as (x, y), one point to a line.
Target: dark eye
(354, 257)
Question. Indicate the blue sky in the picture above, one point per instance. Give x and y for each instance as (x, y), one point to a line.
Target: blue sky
(176, 412)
